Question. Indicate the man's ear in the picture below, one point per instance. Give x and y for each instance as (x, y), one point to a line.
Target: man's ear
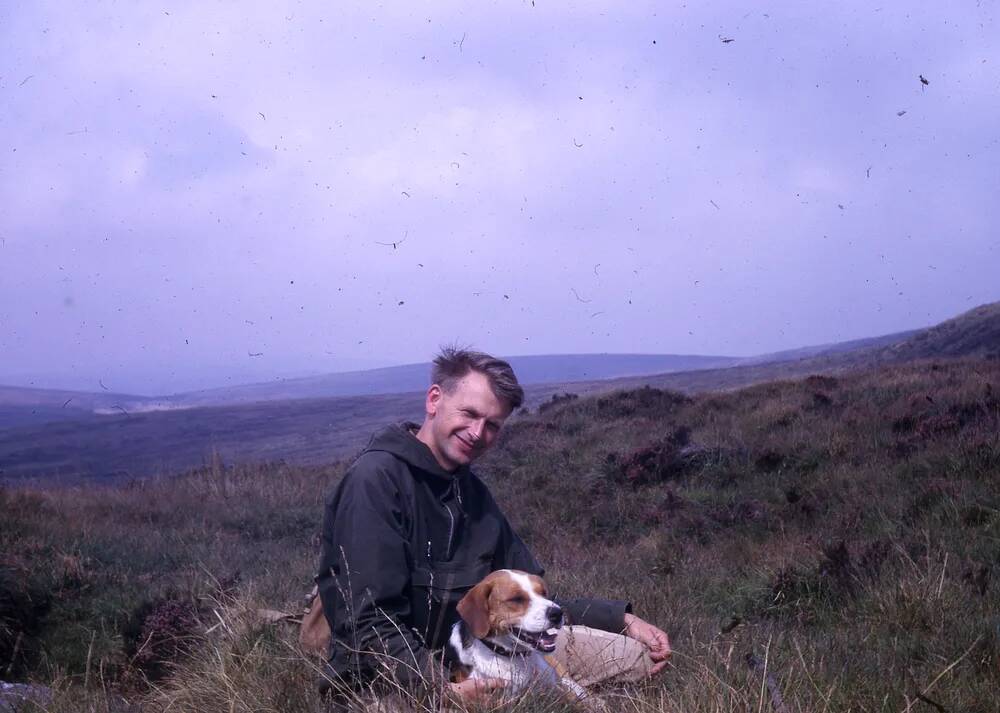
(433, 399)
(474, 608)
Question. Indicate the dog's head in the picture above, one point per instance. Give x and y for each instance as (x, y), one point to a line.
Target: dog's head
(513, 605)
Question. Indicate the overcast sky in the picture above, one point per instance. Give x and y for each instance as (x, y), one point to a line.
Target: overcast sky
(196, 193)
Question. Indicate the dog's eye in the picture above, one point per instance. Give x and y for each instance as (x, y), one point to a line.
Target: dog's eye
(517, 599)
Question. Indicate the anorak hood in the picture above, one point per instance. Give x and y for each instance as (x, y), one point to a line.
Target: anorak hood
(401, 440)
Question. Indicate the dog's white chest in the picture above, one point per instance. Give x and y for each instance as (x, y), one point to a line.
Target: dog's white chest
(523, 672)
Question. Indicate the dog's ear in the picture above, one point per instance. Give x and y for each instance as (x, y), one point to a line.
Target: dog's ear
(474, 608)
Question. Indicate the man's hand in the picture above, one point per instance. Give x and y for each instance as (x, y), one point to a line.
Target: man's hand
(655, 640)
(476, 690)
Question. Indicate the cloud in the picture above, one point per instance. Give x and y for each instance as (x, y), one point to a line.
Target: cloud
(218, 179)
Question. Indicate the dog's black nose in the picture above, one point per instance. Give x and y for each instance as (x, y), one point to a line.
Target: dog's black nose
(554, 614)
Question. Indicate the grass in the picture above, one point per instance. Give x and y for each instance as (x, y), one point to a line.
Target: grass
(831, 539)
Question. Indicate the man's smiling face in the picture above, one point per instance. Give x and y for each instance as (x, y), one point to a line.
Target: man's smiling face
(461, 424)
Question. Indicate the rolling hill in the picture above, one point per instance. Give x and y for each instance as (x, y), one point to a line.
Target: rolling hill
(413, 377)
(127, 443)
(973, 333)
(841, 529)
(32, 406)
(20, 405)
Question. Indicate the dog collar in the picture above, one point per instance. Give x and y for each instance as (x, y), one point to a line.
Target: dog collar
(497, 649)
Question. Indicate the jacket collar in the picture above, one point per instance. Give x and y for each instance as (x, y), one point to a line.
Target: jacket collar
(400, 439)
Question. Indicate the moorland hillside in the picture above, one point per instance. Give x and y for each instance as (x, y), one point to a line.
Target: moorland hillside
(314, 431)
(29, 406)
(827, 543)
(973, 333)
(531, 370)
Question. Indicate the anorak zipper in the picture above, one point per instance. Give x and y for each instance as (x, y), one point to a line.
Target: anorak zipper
(451, 530)
(457, 488)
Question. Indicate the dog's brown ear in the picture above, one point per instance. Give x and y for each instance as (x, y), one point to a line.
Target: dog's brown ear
(474, 608)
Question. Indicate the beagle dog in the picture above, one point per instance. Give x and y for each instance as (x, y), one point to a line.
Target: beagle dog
(507, 624)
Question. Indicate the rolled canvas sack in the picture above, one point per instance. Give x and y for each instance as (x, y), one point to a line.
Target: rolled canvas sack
(314, 634)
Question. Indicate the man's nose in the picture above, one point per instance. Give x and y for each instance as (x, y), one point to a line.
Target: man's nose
(476, 430)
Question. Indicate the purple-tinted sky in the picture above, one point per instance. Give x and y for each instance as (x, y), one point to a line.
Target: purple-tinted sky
(194, 194)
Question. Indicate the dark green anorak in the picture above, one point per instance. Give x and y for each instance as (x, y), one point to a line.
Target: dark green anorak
(403, 540)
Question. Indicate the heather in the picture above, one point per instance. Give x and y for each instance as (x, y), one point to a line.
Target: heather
(823, 543)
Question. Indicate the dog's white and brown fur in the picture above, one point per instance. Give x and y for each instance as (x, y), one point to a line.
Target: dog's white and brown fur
(507, 624)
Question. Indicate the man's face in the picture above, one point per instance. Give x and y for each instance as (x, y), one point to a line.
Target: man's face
(460, 426)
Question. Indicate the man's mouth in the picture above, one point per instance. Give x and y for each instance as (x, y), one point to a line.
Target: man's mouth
(544, 641)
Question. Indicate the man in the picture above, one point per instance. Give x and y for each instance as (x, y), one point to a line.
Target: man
(410, 529)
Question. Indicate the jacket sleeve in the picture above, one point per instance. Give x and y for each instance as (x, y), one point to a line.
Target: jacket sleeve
(604, 614)
(364, 577)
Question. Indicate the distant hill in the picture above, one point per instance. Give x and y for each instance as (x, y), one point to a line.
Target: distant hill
(973, 333)
(164, 442)
(415, 377)
(127, 442)
(19, 405)
(854, 345)
(60, 398)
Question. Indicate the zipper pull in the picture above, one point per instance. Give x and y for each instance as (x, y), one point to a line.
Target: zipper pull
(428, 550)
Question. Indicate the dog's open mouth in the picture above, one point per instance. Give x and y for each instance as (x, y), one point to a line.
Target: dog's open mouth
(544, 641)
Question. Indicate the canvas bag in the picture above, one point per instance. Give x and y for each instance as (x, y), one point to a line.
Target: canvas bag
(314, 632)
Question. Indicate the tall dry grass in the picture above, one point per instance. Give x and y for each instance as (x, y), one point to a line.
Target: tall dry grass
(812, 545)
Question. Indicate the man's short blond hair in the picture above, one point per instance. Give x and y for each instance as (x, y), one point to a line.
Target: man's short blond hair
(452, 363)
